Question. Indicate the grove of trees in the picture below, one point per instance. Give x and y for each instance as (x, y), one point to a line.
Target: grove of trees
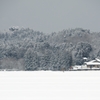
(26, 49)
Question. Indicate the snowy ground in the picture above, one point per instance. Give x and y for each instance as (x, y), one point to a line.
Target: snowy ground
(48, 85)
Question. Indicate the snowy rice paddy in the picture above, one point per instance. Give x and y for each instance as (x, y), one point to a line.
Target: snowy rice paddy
(48, 85)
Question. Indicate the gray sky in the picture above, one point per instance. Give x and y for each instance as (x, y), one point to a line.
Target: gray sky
(50, 15)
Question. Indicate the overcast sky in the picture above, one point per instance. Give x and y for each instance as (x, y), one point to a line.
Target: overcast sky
(50, 15)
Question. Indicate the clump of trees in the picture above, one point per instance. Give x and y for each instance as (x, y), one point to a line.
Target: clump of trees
(82, 50)
(26, 49)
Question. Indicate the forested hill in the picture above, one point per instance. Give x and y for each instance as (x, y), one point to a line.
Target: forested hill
(26, 49)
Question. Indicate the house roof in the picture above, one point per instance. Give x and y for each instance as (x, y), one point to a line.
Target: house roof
(93, 62)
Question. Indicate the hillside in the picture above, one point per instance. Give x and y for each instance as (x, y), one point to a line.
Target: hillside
(26, 49)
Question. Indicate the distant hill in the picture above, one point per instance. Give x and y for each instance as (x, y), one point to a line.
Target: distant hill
(26, 49)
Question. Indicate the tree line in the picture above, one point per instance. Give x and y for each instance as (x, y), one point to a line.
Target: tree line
(26, 49)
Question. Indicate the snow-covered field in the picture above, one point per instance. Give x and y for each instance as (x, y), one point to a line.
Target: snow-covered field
(48, 85)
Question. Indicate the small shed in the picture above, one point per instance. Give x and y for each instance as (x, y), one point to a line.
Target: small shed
(76, 67)
(93, 64)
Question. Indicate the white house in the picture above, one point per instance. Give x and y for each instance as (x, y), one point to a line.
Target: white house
(94, 64)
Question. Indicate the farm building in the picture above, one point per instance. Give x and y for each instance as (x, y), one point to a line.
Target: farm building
(94, 64)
